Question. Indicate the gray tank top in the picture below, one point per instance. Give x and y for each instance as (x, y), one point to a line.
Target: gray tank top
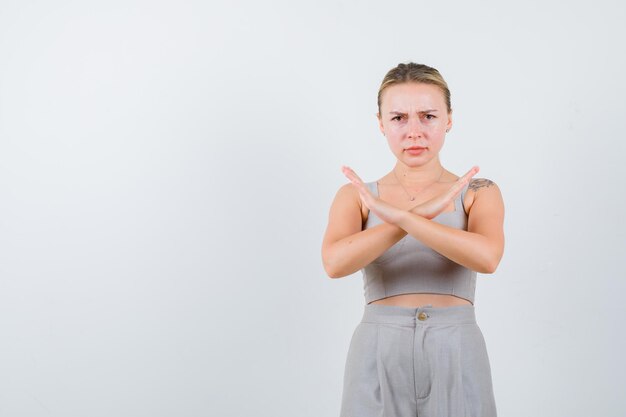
(412, 267)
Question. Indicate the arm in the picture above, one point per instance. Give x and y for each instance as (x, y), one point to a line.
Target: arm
(346, 248)
(480, 248)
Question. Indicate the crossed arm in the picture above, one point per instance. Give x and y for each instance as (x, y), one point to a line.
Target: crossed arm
(347, 248)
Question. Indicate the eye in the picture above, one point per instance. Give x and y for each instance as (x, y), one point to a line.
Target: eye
(430, 116)
(396, 117)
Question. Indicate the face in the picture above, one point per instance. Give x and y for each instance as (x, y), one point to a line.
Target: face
(414, 118)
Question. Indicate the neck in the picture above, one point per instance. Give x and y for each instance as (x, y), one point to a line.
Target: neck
(418, 176)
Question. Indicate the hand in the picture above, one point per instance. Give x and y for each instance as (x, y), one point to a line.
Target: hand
(385, 211)
(436, 205)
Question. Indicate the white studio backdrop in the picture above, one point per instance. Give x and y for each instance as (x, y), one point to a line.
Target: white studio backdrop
(166, 170)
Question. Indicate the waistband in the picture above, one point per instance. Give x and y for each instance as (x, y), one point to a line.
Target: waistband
(411, 316)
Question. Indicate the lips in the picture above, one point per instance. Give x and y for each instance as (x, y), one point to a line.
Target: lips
(415, 150)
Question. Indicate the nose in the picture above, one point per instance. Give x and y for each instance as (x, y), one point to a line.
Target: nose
(415, 128)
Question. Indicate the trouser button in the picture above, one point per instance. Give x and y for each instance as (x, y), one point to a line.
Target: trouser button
(422, 316)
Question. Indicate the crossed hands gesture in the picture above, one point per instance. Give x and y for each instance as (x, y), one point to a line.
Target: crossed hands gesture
(391, 214)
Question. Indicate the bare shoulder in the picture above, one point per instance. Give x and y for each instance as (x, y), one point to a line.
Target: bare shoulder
(351, 194)
(482, 189)
(346, 214)
(480, 183)
(348, 194)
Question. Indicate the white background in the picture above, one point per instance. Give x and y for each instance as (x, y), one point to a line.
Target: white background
(166, 170)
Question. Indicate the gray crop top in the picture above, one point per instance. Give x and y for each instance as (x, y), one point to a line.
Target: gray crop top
(412, 267)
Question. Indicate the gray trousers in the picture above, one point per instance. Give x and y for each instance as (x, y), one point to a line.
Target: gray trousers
(417, 362)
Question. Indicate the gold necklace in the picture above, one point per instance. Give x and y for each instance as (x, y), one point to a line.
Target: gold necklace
(405, 190)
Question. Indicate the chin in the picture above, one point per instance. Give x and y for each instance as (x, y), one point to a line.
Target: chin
(413, 160)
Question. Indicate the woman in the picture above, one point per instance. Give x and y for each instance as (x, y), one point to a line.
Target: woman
(419, 235)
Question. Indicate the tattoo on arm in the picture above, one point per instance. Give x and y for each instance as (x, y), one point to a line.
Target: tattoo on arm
(477, 183)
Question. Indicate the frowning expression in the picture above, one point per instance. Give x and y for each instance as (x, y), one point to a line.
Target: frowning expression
(414, 118)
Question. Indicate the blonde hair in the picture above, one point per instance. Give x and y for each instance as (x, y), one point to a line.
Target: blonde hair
(417, 73)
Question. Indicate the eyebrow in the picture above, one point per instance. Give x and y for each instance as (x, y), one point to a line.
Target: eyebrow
(423, 111)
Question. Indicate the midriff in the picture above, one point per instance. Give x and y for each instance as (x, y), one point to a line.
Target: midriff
(421, 299)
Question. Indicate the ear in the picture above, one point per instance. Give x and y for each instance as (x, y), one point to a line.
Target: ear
(380, 124)
(449, 124)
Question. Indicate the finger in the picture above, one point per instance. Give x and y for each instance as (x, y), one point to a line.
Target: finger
(460, 183)
(455, 190)
(349, 172)
(469, 174)
(355, 180)
(366, 195)
(352, 176)
(458, 186)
